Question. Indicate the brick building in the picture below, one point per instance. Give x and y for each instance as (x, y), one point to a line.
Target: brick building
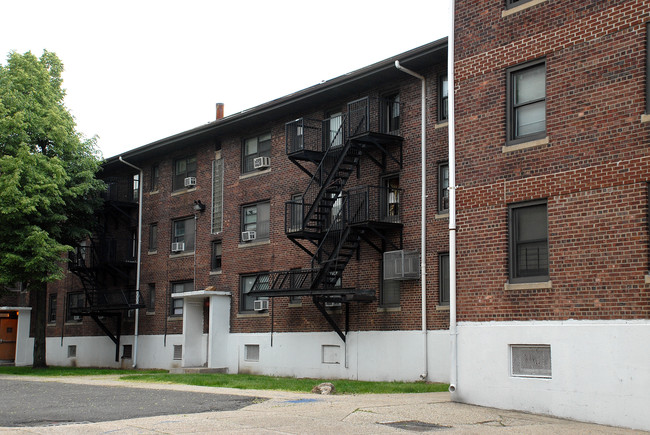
(263, 239)
(553, 164)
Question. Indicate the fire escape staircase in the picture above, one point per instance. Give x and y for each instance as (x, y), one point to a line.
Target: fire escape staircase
(326, 221)
(91, 264)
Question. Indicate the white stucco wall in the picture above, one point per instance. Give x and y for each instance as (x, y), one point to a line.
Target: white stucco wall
(600, 369)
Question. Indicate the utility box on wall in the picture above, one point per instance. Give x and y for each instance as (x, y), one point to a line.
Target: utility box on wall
(401, 265)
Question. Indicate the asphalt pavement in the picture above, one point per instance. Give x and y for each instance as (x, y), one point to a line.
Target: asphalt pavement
(105, 405)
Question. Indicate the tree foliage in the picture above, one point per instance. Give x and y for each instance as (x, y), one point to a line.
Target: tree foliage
(48, 188)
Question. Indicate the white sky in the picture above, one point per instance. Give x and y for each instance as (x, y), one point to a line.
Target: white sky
(137, 71)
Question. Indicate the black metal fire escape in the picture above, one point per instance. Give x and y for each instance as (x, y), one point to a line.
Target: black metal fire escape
(328, 222)
(103, 259)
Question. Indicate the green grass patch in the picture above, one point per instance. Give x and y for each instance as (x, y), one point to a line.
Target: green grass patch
(257, 382)
(71, 371)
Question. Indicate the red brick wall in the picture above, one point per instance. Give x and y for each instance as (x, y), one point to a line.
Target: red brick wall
(593, 171)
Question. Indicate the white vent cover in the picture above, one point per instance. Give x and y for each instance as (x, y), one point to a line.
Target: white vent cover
(401, 265)
(178, 351)
(530, 360)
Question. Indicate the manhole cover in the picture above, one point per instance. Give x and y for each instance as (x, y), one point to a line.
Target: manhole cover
(416, 426)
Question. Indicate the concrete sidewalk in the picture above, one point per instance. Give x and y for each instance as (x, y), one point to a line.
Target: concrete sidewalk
(279, 412)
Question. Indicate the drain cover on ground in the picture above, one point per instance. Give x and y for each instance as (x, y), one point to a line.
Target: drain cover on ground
(416, 426)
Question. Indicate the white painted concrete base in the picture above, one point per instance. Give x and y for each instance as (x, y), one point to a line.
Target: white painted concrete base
(378, 356)
(600, 369)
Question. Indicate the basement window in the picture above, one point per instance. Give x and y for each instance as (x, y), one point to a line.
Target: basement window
(72, 351)
(127, 351)
(530, 361)
(178, 351)
(252, 352)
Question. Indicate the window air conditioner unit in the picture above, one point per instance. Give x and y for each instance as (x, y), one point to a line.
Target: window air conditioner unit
(76, 318)
(247, 236)
(261, 305)
(401, 265)
(261, 162)
(189, 181)
(178, 247)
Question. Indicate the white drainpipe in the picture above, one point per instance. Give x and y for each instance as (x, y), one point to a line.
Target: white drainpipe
(423, 219)
(137, 272)
(453, 378)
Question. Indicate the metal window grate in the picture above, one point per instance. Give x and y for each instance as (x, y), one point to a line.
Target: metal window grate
(530, 360)
(178, 351)
(252, 352)
(72, 351)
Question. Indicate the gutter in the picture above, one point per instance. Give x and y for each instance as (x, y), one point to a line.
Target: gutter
(423, 219)
(453, 333)
(138, 267)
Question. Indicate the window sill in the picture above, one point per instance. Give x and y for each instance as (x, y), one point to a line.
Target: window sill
(215, 272)
(174, 318)
(645, 117)
(441, 216)
(647, 279)
(154, 192)
(152, 252)
(73, 323)
(441, 125)
(150, 313)
(254, 174)
(442, 307)
(252, 315)
(389, 309)
(54, 323)
(295, 305)
(528, 285)
(520, 8)
(184, 254)
(525, 145)
(183, 191)
(251, 244)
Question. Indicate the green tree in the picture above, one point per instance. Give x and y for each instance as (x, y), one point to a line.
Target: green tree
(48, 188)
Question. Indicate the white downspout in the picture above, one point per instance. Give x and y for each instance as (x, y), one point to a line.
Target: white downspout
(423, 219)
(137, 270)
(453, 378)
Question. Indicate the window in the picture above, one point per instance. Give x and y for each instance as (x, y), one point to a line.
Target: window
(217, 196)
(389, 292)
(443, 188)
(391, 197)
(183, 232)
(296, 214)
(252, 352)
(512, 3)
(183, 168)
(250, 283)
(256, 217)
(443, 99)
(127, 351)
(176, 304)
(526, 96)
(216, 256)
(334, 130)
(528, 242)
(133, 245)
(151, 298)
(259, 146)
(155, 177)
(178, 352)
(72, 351)
(530, 361)
(136, 187)
(297, 280)
(153, 237)
(443, 278)
(75, 300)
(51, 314)
(390, 118)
